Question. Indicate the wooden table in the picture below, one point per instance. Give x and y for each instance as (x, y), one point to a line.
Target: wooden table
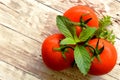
(24, 24)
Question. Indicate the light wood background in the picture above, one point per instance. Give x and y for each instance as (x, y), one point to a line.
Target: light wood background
(24, 24)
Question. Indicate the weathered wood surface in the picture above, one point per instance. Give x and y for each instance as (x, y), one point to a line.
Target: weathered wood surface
(24, 24)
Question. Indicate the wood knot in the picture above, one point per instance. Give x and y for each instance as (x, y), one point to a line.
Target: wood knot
(118, 14)
(119, 64)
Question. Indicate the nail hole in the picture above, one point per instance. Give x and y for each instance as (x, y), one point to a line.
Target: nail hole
(118, 14)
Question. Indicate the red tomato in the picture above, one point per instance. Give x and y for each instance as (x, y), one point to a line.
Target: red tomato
(54, 59)
(78, 30)
(74, 14)
(108, 58)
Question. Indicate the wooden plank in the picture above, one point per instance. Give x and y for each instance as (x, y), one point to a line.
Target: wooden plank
(115, 72)
(8, 72)
(29, 18)
(117, 44)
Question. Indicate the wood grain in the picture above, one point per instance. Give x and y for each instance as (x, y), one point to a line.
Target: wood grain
(29, 18)
(24, 24)
(8, 72)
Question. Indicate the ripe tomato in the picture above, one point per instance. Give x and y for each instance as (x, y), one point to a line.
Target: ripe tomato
(108, 58)
(54, 59)
(74, 14)
(78, 30)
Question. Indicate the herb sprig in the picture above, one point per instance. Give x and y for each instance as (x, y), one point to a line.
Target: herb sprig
(81, 55)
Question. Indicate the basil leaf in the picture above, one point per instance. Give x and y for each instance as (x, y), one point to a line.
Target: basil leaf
(82, 59)
(67, 41)
(86, 34)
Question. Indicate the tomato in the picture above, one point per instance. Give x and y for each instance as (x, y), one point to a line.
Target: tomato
(78, 30)
(108, 58)
(54, 59)
(74, 14)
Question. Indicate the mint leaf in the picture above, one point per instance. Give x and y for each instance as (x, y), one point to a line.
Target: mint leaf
(67, 27)
(86, 34)
(63, 24)
(67, 41)
(82, 59)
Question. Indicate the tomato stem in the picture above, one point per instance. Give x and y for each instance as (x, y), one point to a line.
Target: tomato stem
(95, 51)
(92, 58)
(57, 49)
(63, 48)
(82, 23)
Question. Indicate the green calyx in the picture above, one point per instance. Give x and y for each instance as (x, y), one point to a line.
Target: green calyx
(95, 51)
(83, 23)
(82, 57)
(63, 49)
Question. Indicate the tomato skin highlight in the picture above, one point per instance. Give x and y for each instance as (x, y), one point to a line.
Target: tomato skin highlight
(108, 58)
(54, 59)
(74, 14)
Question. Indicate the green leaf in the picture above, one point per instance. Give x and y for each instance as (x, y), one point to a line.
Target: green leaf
(105, 21)
(63, 24)
(86, 34)
(82, 59)
(67, 41)
(103, 32)
(67, 27)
